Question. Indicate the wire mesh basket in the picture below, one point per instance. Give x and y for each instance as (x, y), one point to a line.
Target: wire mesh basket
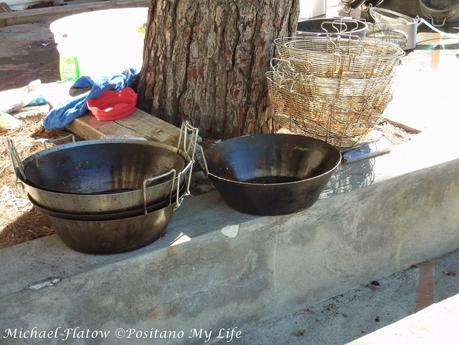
(349, 92)
(337, 55)
(339, 123)
(383, 32)
(332, 87)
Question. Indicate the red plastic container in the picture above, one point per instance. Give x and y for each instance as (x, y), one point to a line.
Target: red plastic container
(113, 105)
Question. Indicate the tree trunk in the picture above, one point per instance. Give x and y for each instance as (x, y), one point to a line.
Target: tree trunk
(205, 61)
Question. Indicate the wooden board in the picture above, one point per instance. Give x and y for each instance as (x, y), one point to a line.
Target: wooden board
(139, 124)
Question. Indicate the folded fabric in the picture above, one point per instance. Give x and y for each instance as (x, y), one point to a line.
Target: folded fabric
(62, 115)
(113, 105)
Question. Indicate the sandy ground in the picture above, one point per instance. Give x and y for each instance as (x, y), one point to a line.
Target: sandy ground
(27, 52)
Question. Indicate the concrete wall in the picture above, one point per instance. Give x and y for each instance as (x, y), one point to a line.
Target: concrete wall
(273, 265)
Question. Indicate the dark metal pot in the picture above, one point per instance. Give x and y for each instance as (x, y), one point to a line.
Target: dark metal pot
(440, 12)
(112, 215)
(271, 174)
(114, 232)
(104, 175)
(111, 236)
(332, 25)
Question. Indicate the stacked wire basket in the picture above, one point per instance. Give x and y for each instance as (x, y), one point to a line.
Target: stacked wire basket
(333, 87)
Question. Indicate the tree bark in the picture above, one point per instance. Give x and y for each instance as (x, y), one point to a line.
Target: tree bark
(205, 61)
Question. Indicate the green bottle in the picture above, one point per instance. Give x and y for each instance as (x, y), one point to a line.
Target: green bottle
(68, 68)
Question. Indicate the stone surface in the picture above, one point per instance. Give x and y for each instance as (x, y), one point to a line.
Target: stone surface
(273, 266)
(374, 313)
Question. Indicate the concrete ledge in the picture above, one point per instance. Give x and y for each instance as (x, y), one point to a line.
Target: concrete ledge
(273, 266)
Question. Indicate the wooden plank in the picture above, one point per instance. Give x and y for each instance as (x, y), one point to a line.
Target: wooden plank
(139, 124)
(48, 13)
(87, 127)
(151, 127)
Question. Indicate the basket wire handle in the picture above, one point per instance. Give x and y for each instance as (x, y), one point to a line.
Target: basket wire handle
(16, 160)
(149, 180)
(279, 62)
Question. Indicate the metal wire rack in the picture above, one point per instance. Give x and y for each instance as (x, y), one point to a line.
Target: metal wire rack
(383, 32)
(336, 55)
(340, 123)
(351, 92)
(332, 87)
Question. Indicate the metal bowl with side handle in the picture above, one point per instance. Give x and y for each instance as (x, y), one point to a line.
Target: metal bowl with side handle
(271, 174)
(115, 232)
(104, 175)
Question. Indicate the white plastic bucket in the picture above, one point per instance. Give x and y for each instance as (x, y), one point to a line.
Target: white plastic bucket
(100, 42)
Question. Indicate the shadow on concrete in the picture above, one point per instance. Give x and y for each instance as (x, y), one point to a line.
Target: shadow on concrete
(350, 176)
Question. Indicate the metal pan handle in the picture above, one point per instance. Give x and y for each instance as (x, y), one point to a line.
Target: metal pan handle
(188, 170)
(188, 139)
(149, 180)
(204, 160)
(16, 160)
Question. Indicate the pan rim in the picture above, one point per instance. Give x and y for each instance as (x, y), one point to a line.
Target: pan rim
(280, 183)
(182, 155)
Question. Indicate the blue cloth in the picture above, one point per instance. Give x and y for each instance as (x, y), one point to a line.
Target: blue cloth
(62, 115)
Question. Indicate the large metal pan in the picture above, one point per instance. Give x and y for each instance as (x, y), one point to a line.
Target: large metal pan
(105, 175)
(110, 236)
(109, 233)
(113, 215)
(271, 174)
